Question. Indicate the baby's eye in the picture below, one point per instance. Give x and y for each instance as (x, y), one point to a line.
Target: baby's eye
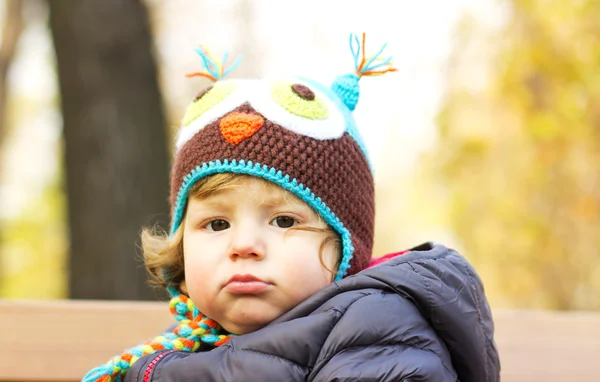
(283, 221)
(217, 225)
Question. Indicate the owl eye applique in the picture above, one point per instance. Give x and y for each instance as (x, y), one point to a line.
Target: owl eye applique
(202, 92)
(207, 99)
(299, 100)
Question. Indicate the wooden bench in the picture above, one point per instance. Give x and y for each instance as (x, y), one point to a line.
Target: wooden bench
(60, 341)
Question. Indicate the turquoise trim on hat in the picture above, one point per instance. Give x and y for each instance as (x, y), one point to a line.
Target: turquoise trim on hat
(277, 177)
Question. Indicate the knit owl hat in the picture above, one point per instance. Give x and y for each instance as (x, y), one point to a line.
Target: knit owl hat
(296, 133)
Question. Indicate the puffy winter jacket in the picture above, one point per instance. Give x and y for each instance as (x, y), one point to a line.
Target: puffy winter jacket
(421, 316)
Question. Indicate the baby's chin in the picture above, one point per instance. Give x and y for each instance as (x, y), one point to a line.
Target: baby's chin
(248, 318)
(238, 329)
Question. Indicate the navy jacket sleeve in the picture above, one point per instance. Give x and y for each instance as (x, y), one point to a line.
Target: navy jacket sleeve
(392, 363)
(363, 346)
(221, 364)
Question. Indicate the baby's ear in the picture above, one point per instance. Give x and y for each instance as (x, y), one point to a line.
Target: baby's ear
(183, 288)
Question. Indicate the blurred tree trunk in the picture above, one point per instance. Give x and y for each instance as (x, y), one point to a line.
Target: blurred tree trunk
(115, 142)
(13, 25)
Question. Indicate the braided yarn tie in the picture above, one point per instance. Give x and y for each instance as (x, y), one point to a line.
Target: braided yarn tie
(193, 330)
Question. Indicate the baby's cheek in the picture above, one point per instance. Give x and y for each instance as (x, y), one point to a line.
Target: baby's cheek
(197, 277)
(198, 281)
(306, 276)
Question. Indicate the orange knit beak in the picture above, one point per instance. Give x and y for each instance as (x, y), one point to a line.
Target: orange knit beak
(235, 127)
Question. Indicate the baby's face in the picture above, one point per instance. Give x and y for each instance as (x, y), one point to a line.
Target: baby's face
(244, 267)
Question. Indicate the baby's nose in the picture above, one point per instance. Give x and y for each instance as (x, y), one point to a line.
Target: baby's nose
(236, 126)
(246, 244)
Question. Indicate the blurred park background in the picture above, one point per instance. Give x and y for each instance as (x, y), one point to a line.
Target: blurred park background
(487, 139)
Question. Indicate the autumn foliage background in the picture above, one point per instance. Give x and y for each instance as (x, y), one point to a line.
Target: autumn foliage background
(503, 165)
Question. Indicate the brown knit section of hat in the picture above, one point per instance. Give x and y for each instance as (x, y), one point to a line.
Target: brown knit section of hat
(335, 170)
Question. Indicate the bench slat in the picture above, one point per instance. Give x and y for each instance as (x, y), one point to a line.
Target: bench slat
(541, 346)
(59, 341)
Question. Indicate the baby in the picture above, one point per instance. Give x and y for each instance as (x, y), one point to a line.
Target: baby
(269, 255)
(278, 251)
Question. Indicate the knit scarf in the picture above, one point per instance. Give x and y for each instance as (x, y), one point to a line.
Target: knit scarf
(194, 329)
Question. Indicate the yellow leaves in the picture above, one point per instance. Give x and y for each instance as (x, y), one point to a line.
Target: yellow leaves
(33, 255)
(545, 126)
(586, 207)
(521, 160)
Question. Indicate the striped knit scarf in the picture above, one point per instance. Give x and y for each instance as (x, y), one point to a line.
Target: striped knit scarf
(194, 329)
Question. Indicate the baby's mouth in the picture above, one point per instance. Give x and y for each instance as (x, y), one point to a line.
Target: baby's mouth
(246, 284)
